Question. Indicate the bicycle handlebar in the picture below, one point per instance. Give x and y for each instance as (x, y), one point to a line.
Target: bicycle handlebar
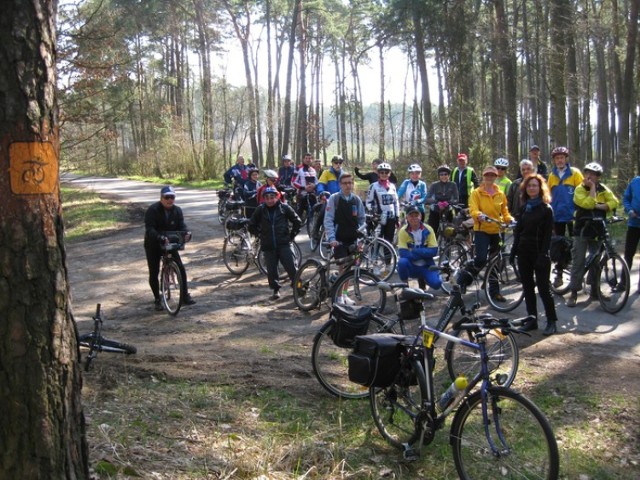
(489, 322)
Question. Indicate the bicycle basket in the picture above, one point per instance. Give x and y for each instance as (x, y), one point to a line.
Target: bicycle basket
(349, 322)
(235, 224)
(375, 361)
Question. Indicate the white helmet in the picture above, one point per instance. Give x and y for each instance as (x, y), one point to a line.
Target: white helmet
(270, 174)
(384, 166)
(501, 162)
(414, 167)
(594, 167)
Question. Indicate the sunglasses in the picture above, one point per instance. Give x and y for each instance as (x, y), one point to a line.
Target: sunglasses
(169, 197)
(501, 168)
(384, 172)
(444, 174)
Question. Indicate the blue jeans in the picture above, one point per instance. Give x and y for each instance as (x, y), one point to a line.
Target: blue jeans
(486, 244)
(406, 270)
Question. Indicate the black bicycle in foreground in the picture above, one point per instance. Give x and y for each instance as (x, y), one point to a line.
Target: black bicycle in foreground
(95, 342)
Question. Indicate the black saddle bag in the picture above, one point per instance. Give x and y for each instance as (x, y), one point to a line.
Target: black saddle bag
(375, 360)
(349, 322)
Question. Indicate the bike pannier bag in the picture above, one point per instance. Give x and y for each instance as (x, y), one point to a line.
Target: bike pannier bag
(349, 322)
(375, 360)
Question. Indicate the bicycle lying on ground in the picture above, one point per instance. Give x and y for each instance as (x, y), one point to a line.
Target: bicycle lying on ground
(495, 433)
(334, 341)
(95, 342)
(171, 280)
(607, 272)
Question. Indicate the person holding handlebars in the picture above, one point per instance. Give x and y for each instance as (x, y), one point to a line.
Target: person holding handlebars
(164, 216)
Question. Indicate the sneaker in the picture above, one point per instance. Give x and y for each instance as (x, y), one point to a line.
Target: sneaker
(558, 282)
(573, 299)
(498, 297)
(157, 305)
(275, 296)
(188, 300)
(550, 330)
(345, 300)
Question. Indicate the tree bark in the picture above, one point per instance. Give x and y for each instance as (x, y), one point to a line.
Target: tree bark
(42, 431)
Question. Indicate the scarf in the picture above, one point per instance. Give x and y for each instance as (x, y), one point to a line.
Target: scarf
(532, 203)
(384, 183)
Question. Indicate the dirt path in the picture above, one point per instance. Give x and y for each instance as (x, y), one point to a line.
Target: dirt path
(234, 335)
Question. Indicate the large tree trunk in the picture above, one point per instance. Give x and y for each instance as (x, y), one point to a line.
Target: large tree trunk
(42, 429)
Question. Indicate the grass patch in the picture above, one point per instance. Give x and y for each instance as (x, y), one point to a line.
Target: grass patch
(86, 213)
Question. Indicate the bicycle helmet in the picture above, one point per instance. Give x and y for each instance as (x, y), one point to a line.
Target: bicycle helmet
(594, 167)
(286, 157)
(252, 170)
(501, 162)
(337, 159)
(414, 167)
(444, 168)
(559, 151)
(271, 174)
(269, 191)
(384, 166)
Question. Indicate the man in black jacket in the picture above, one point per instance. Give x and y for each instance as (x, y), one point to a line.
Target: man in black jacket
(161, 217)
(271, 221)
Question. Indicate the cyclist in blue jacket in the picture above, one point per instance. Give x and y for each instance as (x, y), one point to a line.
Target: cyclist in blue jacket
(631, 202)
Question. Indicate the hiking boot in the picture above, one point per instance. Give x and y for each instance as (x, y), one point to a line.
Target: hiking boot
(188, 300)
(550, 329)
(573, 299)
(498, 297)
(557, 283)
(157, 305)
(275, 296)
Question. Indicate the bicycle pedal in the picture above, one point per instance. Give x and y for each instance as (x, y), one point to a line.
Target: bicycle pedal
(409, 454)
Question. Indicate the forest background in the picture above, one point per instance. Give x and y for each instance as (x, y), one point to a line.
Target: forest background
(141, 92)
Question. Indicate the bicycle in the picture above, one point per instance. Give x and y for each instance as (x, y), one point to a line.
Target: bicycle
(95, 342)
(496, 432)
(314, 282)
(240, 249)
(171, 280)
(608, 272)
(224, 195)
(379, 255)
(235, 210)
(498, 271)
(331, 346)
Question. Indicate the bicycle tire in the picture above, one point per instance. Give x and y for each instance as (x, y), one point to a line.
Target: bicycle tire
(282, 273)
(222, 205)
(364, 293)
(236, 253)
(171, 288)
(313, 243)
(510, 284)
(564, 272)
(330, 362)
(395, 409)
(324, 249)
(380, 258)
(457, 255)
(528, 446)
(112, 346)
(613, 283)
(309, 285)
(503, 352)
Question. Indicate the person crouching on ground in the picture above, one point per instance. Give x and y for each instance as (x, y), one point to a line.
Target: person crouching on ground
(417, 245)
(531, 243)
(271, 221)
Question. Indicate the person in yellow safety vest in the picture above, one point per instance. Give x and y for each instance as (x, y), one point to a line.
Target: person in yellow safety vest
(465, 179)
(503, 182)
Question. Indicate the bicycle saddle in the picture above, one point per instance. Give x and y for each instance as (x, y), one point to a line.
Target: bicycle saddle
(415, 294)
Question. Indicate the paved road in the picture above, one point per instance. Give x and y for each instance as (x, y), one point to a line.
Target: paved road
(588, 324)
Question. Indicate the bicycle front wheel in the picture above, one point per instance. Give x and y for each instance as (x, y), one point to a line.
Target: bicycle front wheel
(507, 277)
(309, 285)
(171, 288)
(515, 442)
(503, 352)
(560, 278)
(613, 283)
(359, 289)
(236, 253)
(282, 273)
(330, 362)
(381, 258)
(395, 409)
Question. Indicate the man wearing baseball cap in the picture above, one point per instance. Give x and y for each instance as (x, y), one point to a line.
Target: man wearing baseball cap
(286, 171)
(161, 217)
(538, 165)
(465, 178)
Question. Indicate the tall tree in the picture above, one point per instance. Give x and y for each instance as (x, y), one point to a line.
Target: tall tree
(42, 429)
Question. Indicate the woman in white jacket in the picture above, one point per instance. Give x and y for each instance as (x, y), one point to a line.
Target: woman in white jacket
(382, 199)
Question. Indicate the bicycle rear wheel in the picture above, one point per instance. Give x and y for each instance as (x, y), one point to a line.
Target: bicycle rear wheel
(503, 352)
(613, 283)
(455, 253)
(396, 408)
(330, 362)
(282, 273)
(523, 442)
(560, 278)
(509, 282)
(380, 258)
(171, 288)
(360, 291)
(236, 253)
(309, 285)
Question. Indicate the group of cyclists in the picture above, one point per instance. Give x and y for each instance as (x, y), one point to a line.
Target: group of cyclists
(555, 201)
